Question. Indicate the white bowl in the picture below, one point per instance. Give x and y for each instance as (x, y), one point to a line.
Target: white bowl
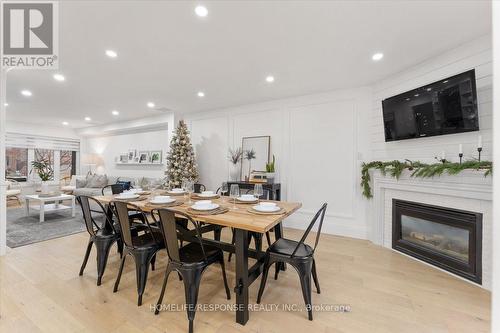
(267, 204)
(177, 190)
(207, 192)
(209, 206)
(266, 208)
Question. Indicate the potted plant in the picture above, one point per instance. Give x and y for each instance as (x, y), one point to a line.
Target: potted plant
(44, 170)
(249, 156)
(234, 157)
(270, 170)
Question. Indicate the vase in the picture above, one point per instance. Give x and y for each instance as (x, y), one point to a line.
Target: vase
(270, 177)
(44, 188)
(234, 173)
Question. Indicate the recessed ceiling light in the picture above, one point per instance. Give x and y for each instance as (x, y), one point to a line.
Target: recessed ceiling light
(416, 95)
(201, 11)
(111, 53)
(377, 56)
(151, 105)
(59, 77)
(26, 93)
(429, 89)
(6, 104)
(407, 99)
(270, 78)
(201, 94)
(115, 113)
(65, 123)
(88, 119)
(445, 81)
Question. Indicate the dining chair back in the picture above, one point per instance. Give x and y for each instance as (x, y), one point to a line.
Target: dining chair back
(320, 214)
(115, 188)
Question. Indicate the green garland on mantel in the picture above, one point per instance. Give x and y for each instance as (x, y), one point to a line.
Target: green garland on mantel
(422, 170)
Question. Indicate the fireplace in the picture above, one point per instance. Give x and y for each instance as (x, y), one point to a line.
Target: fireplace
(446, 238)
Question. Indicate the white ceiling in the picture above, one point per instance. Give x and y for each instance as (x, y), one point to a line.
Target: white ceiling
(167, 54)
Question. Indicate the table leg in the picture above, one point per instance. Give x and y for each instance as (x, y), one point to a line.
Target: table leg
(42, 211)
(73, 207)
(241, 289)
(56, 204)
(27, 207)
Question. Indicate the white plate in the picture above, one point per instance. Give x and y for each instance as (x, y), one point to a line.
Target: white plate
(205, 207)
(176, 192)
(207, 195)
(135, 196)
(266, 209)
(164, 201)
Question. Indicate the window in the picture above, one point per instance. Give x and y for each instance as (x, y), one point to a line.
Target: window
(47, 156)
(16, 160)
(67, 164)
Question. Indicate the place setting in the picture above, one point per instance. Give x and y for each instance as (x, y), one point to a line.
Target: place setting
(266, 208)
(163, 201)
(206, 207)
(131, 195)
(205, 195)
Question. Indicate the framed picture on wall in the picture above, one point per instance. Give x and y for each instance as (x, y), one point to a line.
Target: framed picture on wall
(124, 158)
(156, 156)
(131, 155)
(143, 157)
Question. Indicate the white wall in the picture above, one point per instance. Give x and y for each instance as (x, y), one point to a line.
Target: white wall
(110, 141)
(318, 141)
(474, 55)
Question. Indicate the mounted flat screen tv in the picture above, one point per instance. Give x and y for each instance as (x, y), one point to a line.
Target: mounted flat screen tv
(447, 106)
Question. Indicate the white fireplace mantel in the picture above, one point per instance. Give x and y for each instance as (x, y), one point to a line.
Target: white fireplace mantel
(469, 190)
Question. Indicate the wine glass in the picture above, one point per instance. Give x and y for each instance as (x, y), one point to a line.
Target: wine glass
(258, 191)
(223, 190)
(189, 189)
(184, 187)
(234, 193)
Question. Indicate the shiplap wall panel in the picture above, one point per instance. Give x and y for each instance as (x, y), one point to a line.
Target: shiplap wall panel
(475, 55)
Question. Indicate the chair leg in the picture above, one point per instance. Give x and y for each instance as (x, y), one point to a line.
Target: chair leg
(142, 261)
(267, 264)
(315, 277)
(103, 248)
(258, 242)
(304, 270)
(224, 277)
(165, 279)
(191, 280)
(86, 258)
(120, 271)
(119, 244)
(153, 260)
(233, 240)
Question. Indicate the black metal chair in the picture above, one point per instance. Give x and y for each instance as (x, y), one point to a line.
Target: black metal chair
(141, 244)
(115, 188)
(101, 236)
(300, 256)
(190, 261)
(198, 188)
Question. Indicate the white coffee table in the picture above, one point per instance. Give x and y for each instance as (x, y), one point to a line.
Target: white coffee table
(50, 204)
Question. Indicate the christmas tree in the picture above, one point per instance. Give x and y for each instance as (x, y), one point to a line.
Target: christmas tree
(181, 163)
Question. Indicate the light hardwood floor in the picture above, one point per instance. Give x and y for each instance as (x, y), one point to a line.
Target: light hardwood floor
(40, 291)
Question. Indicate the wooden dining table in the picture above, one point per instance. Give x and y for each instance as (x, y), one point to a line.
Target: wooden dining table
(242, 221)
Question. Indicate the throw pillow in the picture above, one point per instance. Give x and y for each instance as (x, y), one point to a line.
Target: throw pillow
(80, 183)
(124, 184)
(98, 181)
